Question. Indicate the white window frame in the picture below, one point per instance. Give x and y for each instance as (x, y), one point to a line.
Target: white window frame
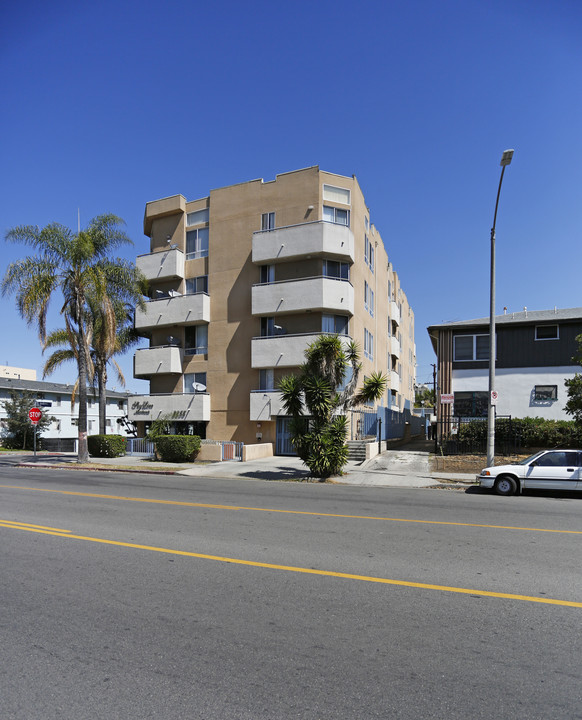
(336, 194)
(196, 280)
(201, 375)
(198, 349)
(198, 217)
(199, 252)
(268, 221)
(333, 211)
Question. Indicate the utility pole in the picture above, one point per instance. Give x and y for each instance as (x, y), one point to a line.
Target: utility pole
(434, 391)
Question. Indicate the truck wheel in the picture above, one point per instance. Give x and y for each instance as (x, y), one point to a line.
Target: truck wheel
(505, 485)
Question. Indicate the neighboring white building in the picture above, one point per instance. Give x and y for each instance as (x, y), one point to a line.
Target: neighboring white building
(17, 373)
(534, 357)
(65, 416)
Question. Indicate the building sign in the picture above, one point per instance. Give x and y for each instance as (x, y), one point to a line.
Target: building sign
(142, 408)
(447, 398)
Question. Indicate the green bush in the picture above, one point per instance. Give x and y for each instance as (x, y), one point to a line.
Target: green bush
(177, 448)
(106, 445)
(534, 432)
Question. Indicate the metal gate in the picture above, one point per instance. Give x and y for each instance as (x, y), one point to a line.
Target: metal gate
(139, 446)
(467, 435)
(283, 444)
(232, 450)
(364, 423)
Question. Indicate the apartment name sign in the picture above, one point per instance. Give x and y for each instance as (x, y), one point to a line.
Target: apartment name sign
(142, 408)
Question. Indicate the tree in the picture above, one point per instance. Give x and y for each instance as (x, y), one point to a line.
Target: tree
(424, 397)
(18, 430)
(574, 389)
(112, 334)
(317, 400)
(80, 267)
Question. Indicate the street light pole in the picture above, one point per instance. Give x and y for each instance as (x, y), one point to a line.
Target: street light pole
(505, 161)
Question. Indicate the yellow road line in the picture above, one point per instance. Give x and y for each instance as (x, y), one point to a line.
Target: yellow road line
(24, 526)
(290, 512)
(307, 571)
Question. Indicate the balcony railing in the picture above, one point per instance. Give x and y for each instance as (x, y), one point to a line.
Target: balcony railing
(394, 380)
(164, 265)
(173, 406)
(394, 312)
(283, 350)
(265, 405)
(311, 293)
(296, 241)
(394, 346)
(189, 309)
(157, 360)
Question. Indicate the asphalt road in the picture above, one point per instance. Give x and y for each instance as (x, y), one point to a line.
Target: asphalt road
(134, 596)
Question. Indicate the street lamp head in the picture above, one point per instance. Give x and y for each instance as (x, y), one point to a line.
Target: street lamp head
(506, 158)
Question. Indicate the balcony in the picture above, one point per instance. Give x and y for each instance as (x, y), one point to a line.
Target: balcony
(161, 360)
(394, 346)
(394, 312)
(394, 381)
(174, 406)
(283, 350)
(265, 405)
(314, 293)
(178, 310)
(166, 265)
(298, 241)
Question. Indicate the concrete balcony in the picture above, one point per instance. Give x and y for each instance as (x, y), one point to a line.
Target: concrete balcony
(265, 405)
(162, 360)
(314, 293)
(298, 241)
(179, 310)
(166, 265)
(394, 381)
(394, 346)
(394, 312)
(175, 406)
(283, 350)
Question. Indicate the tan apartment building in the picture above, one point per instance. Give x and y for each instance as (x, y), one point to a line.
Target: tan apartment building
(242, 281)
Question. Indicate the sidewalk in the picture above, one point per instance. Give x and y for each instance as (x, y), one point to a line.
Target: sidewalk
(393, 468)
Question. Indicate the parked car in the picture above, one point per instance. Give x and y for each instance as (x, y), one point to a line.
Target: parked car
(546, 470)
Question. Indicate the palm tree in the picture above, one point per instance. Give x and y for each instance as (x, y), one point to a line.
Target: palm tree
(104, 346)
(79, 265)
(317, 402)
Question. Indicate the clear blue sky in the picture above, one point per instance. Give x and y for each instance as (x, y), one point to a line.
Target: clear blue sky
(108, 105)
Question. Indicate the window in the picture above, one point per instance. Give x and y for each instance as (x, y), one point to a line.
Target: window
(108, 423)
(40, 396)
(368, 344)
(547, 332)
(335, 269)
(120, 404)
(58, 400)
(267, 273)
(470, 404)
(366, 224)
(369, 299)
(268, 221)
(336, 215)
(471, 347)
(334, 324)
(267, 379)
(546, 392)
(90, 423)
(267, 326)
(195, 382)
(196, 340)
(334, 194)
(559, 458)
(196, 285)
(369, 253)
(197, 243)
(198, 217)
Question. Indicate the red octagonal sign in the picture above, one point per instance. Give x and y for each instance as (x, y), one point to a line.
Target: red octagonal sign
(35, 415)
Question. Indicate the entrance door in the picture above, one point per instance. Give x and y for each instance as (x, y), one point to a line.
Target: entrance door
(283, 444)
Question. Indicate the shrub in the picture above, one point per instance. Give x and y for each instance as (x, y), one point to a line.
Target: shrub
(106, 445)
(177, 448)
(534, 432)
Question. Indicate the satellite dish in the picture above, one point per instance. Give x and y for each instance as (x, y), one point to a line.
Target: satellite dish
(199, 387)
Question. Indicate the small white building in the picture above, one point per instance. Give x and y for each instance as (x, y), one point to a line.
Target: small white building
(64, 427)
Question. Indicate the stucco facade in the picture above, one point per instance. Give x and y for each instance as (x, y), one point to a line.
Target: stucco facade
(242, 280)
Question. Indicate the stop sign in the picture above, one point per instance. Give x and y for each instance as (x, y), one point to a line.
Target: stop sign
(35, 415)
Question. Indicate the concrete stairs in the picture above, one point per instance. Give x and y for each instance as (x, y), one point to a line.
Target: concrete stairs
(357, 450)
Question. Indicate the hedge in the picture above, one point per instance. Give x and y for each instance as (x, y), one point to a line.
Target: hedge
(177, 448)
(534, 432)
(106, 445)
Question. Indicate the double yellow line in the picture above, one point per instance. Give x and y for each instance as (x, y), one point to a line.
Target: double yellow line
(59, 532)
